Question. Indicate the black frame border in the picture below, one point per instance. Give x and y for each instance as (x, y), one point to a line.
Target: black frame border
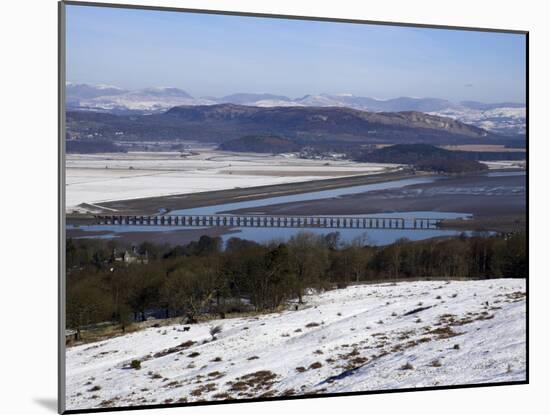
(61, 202)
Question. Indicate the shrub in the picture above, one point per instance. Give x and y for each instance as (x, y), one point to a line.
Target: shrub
(215, 330)
(136, 364)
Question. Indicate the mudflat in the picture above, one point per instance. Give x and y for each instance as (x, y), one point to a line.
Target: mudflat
(152, 205)
(496, 202)
(170, 237)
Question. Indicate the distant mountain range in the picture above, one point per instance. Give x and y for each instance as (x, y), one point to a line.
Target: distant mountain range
(503, 118)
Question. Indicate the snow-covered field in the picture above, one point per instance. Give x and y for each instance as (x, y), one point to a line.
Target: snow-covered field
(362, 338)
(96, 178)
(505, 164)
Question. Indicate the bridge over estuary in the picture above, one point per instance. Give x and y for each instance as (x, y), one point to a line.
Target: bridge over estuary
(271, 221)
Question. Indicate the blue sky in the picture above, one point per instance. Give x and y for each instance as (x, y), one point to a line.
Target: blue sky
(216, 55)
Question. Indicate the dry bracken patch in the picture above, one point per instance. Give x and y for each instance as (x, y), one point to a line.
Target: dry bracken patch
(252, 384)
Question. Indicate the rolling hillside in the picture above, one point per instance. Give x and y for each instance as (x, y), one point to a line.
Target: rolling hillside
(302, 125)
(362, 338)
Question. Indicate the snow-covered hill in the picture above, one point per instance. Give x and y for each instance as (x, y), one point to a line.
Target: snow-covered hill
(500, 120)
(108, 98)
(362, 338)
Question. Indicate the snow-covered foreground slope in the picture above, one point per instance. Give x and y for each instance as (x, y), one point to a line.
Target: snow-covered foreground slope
(367, 337)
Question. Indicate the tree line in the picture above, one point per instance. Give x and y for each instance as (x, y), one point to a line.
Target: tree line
(201, 277)
(431, 158)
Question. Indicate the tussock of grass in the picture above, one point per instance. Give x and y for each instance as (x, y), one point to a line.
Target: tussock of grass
(407, 366)
(435, 363)
(316, 365)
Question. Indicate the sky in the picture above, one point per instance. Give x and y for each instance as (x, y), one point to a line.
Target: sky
(217, 55)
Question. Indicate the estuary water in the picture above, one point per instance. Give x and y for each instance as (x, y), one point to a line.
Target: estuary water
(301, 197)
(261, 234)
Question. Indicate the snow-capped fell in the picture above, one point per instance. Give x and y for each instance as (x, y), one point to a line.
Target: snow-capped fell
(506, 120)
(320, 101)
(275, 103)
(105, 86)
(153, 99)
